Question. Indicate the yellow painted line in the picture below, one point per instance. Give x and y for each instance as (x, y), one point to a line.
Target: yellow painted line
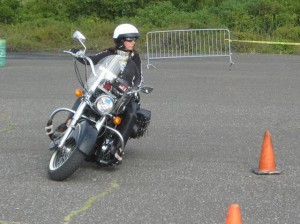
(114, 185)
(7, 129)
(265, 42)
(10, 126)
(4, 117)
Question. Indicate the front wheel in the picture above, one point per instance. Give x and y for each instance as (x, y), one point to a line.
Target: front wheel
(65, 161)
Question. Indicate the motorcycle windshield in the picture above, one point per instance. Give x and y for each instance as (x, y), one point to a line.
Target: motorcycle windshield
(107, 69)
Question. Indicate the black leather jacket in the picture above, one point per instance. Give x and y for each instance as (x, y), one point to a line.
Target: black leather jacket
(132, 73)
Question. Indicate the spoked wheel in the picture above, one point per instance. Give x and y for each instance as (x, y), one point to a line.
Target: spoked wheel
(65, 161)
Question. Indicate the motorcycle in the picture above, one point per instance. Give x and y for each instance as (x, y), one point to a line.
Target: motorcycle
(92, 127)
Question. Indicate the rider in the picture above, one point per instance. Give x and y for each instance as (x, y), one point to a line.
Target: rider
(125, 37)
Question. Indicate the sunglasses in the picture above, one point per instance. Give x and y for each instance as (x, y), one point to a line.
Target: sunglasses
(131, 39)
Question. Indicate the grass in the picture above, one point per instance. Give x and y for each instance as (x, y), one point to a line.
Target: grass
(54, 36)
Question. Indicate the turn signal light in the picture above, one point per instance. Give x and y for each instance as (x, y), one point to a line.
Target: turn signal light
(78, 93)
(117, 120)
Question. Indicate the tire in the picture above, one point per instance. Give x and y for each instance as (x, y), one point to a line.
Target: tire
(64, 162)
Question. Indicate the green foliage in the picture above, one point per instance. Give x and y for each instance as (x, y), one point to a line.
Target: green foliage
(188, 6)
(287, 33)
(104, 9)
(42, 9)
(195, 5)
(8, 10)
(164, 15)
(38, 35)
(49, 24)
(155, 15)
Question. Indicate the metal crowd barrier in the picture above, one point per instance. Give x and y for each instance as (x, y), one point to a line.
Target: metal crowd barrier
(188, 43)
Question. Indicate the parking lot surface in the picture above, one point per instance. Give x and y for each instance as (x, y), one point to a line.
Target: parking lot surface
(207, 127)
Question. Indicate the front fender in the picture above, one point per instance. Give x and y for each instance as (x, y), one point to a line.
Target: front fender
(85, 136)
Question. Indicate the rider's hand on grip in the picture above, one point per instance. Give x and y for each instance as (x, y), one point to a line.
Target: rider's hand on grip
(137, 97)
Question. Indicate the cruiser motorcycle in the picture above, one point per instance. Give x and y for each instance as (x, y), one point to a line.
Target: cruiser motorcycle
(92, 127)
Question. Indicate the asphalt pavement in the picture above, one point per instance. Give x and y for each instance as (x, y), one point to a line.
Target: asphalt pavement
(206, 133)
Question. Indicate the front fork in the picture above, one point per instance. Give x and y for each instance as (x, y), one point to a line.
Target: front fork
(77, 114)
(74, 121)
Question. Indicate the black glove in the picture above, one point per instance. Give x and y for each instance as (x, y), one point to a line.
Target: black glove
(74, 50)
(137, 97)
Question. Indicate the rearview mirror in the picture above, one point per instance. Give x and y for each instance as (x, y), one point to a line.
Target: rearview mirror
(79, 36)
(147, 89)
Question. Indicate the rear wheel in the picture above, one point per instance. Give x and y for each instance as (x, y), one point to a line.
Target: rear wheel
(65, 161)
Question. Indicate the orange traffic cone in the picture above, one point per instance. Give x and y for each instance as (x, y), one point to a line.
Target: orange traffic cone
(234, 214)
(267, 163)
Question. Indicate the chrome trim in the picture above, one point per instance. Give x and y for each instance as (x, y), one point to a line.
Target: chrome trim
(119, 135)
(69, 110)
(74, 121)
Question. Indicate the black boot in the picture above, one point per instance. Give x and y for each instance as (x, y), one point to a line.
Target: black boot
(117, 152)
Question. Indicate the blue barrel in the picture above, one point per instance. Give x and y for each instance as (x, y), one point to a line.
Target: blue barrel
(2, 52)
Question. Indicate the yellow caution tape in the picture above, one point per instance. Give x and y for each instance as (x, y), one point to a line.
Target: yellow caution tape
(264, 42)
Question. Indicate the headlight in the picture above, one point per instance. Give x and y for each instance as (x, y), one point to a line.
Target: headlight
(104, 104)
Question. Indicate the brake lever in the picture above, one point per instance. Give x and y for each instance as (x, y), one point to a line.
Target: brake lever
(78, 54)
(134, 89)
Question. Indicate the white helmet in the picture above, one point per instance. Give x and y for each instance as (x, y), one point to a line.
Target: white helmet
(124, 31)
